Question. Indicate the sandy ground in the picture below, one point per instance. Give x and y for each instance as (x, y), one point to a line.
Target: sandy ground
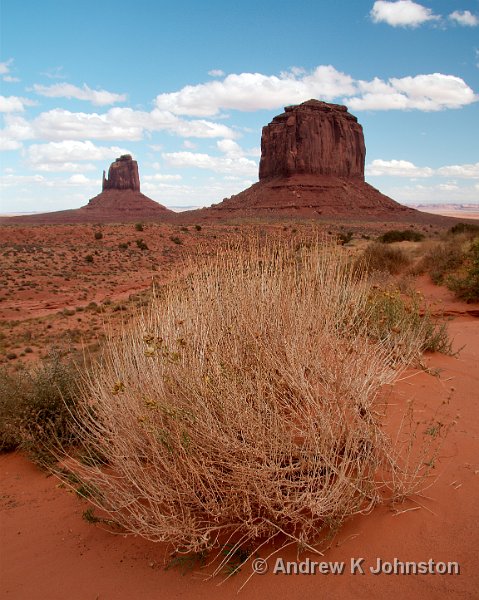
(50, 552)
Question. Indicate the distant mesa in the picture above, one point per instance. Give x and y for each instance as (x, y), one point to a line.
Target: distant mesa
(120, 201)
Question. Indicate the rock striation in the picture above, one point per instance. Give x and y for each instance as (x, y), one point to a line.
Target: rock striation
(122, 175)
(313, 138)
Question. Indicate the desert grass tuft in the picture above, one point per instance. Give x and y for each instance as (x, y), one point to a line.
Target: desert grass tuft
(242, 406)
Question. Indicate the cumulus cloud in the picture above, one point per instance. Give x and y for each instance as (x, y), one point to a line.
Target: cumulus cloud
(402, 13)
(397, 168)
(460, 171)
(5, 66)
(162, 177)
(63, 156)
(464, 18)
(16, 130)
(7, 143)
(67, 90)
(238, 165)
(404, 168)
(121, 124)
(5, 71)
(253, 91)
(10, 104)
(430, 92)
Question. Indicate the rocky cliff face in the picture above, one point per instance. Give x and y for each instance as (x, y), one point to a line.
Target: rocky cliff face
(313, 138)
(122, 175)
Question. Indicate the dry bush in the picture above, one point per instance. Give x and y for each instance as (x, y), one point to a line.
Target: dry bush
(243, 404)
(383, 258)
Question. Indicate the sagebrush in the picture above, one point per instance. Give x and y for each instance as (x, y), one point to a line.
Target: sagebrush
(244, 404)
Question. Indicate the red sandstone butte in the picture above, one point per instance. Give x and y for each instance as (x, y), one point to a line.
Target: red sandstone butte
(122, 175)
(312, 165)
(119, 202)
(313, 138)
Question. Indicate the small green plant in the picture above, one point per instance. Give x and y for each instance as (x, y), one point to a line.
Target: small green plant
(235, 557)
(345, 238)
(98, 235)
(176, 240)
(378, 257)
(185, 229)
(187, 562)
(467, 228)
(123, 246)
(466, 285)
(90, 517)
(396, 235)
(198, 227)
(89, 258)
(139, 226)
(36, 407)
(141, 244)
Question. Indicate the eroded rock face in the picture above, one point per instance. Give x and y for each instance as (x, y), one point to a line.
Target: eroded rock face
(313, 138)
(122, 175)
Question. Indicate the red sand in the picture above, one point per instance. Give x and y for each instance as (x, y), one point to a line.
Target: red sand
(50, 552)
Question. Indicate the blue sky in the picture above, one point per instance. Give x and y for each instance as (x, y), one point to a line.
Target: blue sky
(186, 87)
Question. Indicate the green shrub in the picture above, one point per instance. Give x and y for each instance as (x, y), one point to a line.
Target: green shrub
(378, 257)
(141, 244)
(198, 227)
(176, 240)
(396, 235)
(466, 286)
(36, 405)
(123, 246)
(89, 258)
(98, 235)
(464, 228)
(139, 226)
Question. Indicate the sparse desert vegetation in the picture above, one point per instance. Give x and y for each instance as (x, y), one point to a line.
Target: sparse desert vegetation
(230, 381)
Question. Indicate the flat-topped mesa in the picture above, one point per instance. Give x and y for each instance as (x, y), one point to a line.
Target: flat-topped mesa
(313, 138)
(122, 175)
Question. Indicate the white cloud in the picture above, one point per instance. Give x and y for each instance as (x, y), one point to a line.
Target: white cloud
(8, 143)
(67, 167)
(189, 144)
(464, 18)
(5, 72)
(219, 164)
(64, 156)
(433, 194)
(253, 91)
(54, 73)
(121, 124)
(67, 90)
(397, 168)
(5, 66)
(404, 168)
(460, 171)
(9, 104)
(162, 177)
(403, 13)
(79, 179)
(430, 92)
(216, 73)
